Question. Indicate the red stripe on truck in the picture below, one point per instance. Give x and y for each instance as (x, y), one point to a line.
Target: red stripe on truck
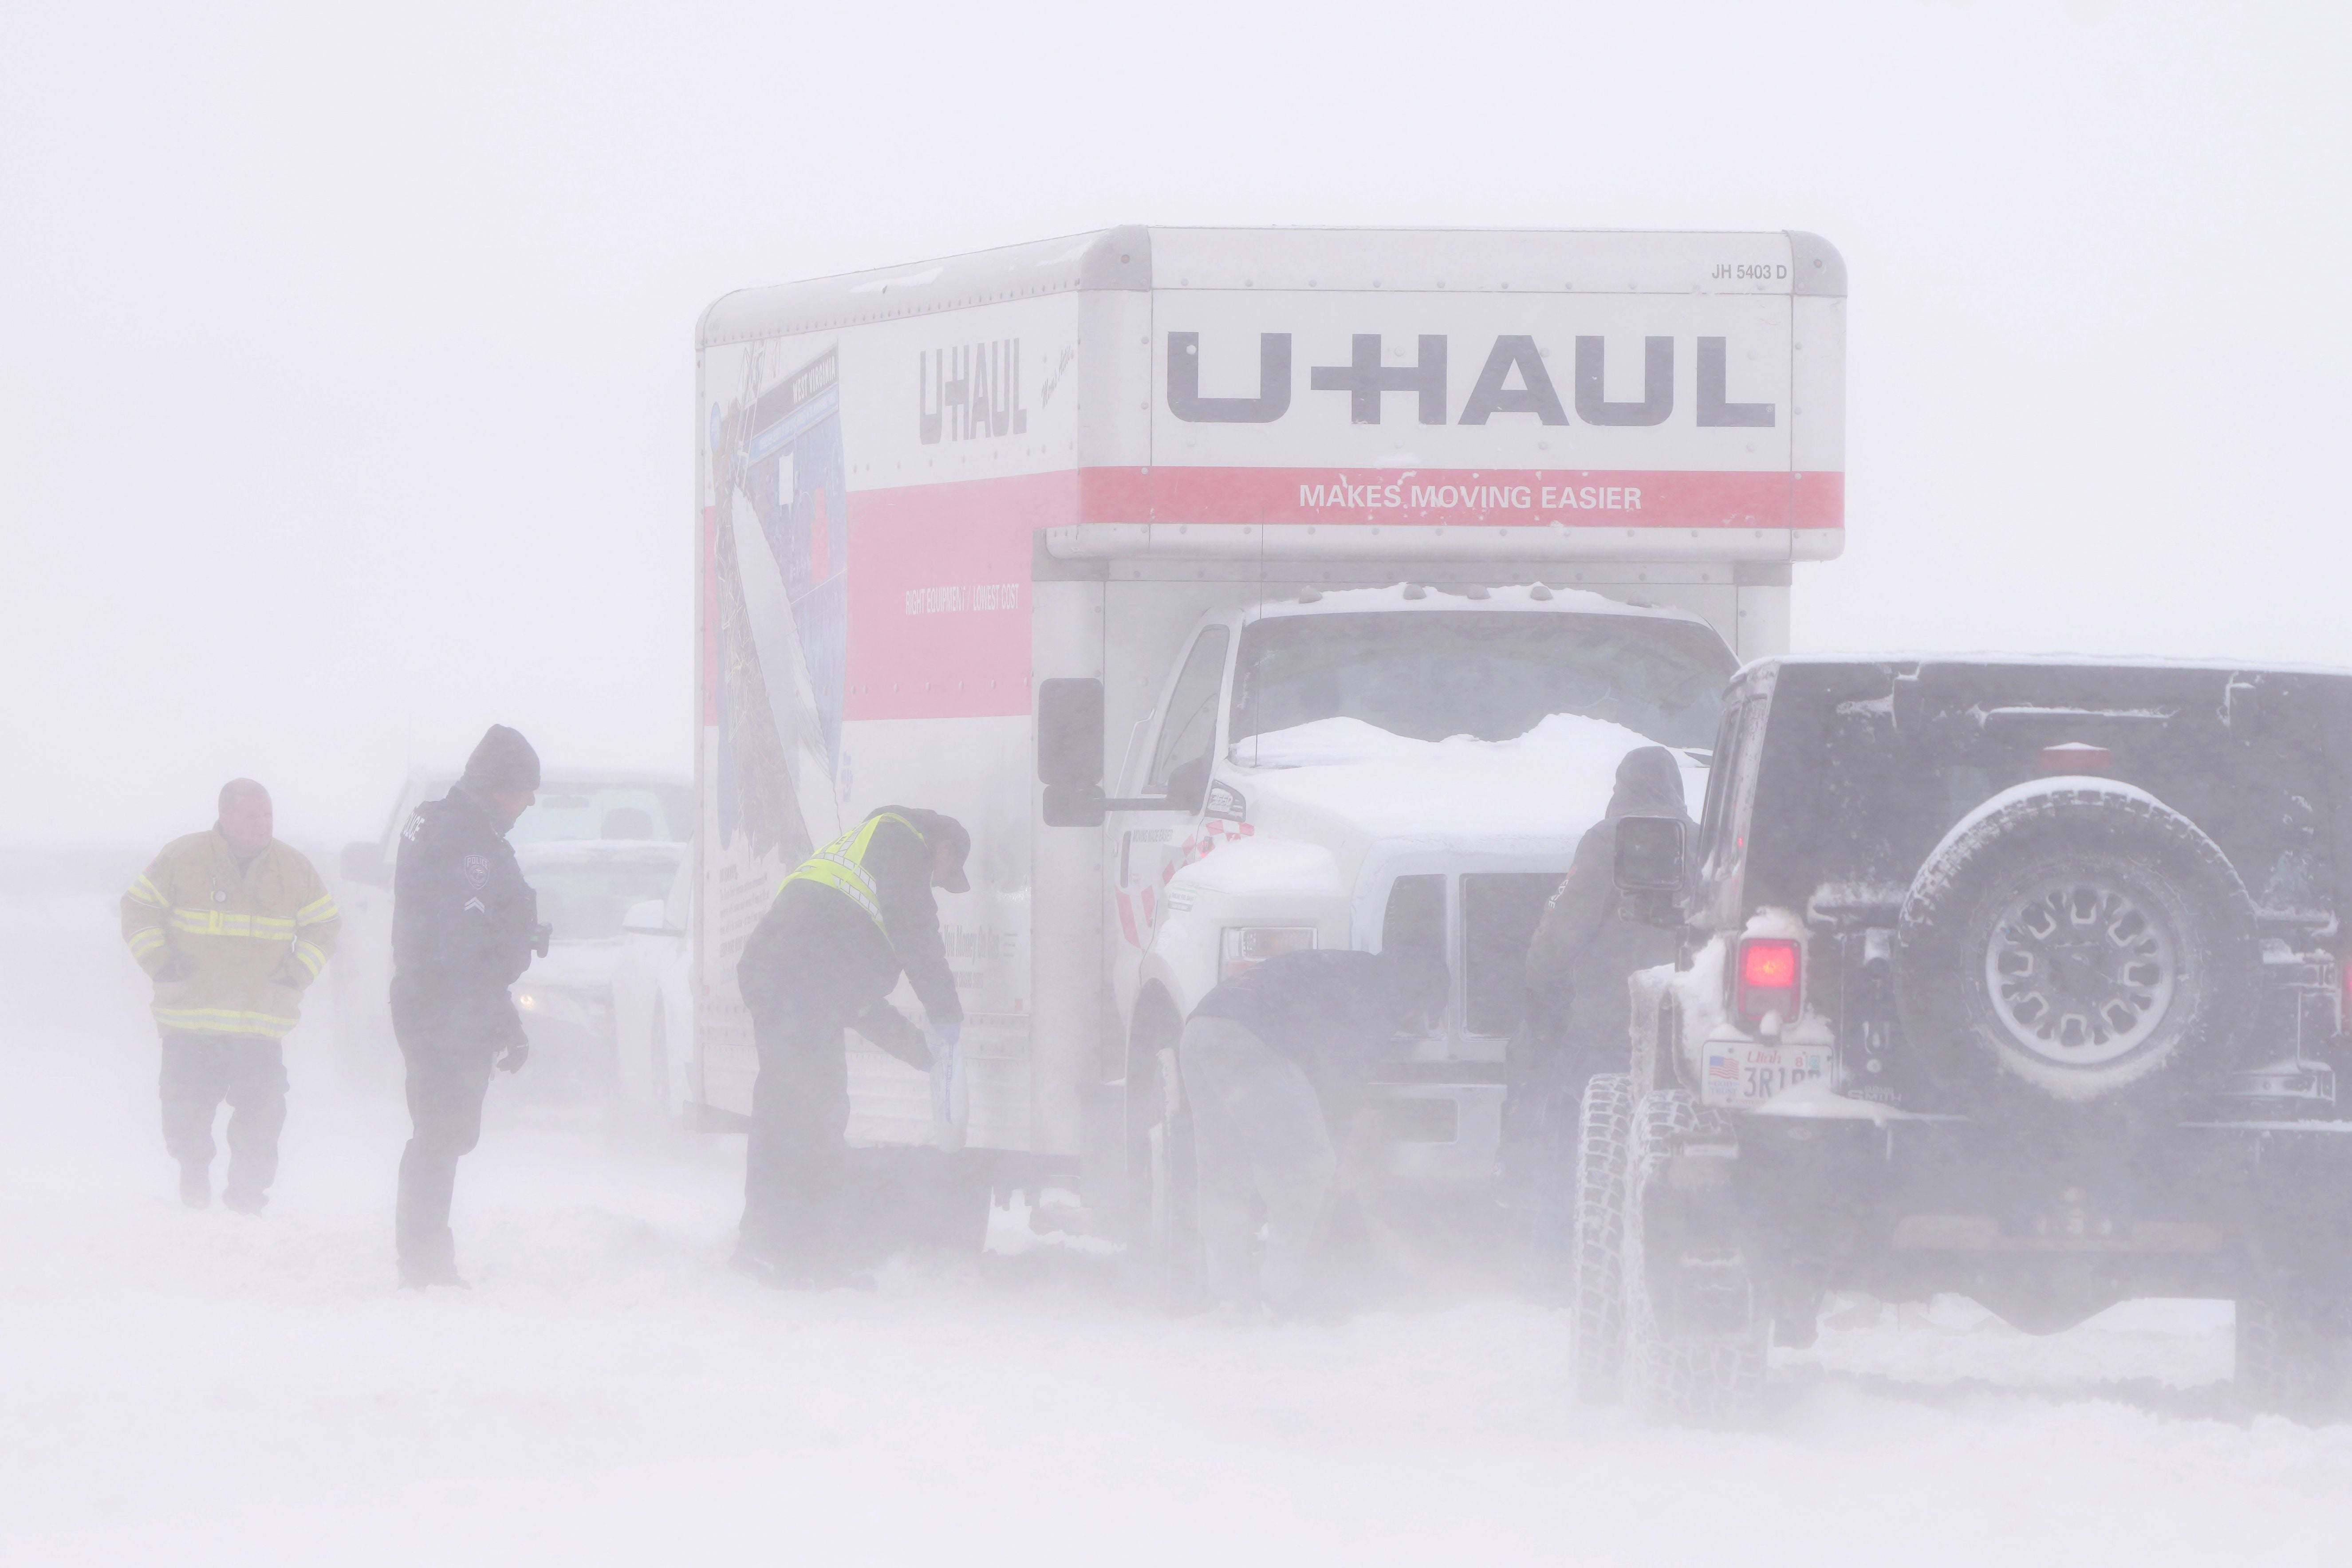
(938, 573)
(1471, 497)
(938, 595)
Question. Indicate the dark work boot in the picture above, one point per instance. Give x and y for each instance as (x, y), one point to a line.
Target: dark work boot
(239, 1200)
(196, 1185)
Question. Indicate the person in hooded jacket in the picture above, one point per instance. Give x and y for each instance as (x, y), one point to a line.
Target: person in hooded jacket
(844, 925)
(464, 927)
(1579, 1011)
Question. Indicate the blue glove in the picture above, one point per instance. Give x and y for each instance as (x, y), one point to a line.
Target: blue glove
(947, 1070)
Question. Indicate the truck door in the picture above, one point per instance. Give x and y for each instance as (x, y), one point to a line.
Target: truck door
(1145, 845)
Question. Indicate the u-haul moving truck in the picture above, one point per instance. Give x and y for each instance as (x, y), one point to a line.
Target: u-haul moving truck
(1382, 547)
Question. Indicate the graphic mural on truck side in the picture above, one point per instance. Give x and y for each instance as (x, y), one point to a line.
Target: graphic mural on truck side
(841, 617)
(780, 547)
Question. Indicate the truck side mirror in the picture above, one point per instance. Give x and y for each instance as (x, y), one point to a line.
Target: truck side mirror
(364, 863)
(648, 917)
(1074, 805)
(1188, 786)
(1650, 870)
(1649, 855)
(1070, 732)
(1070, 752)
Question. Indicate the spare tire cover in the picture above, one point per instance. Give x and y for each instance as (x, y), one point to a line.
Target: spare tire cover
(2076, 940)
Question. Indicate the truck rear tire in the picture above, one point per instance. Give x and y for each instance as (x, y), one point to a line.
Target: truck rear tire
(1679, 1370)
(1597, 1263)
(2075, 946)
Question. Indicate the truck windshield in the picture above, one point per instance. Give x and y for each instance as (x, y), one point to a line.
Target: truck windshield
(1492, 674)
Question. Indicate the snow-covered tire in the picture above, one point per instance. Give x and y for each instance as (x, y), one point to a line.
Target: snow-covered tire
(1673, 1374)
(1604, 1132)
(2076, 942)
(2291, 1359)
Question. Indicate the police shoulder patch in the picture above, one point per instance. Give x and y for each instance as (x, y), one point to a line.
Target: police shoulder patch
(478, 870)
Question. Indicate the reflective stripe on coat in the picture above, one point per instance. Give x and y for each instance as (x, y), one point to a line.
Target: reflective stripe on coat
(231, 948)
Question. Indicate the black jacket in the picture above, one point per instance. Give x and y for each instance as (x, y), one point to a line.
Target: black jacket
(461, 928)
(1335, 1012)
(814, 951)
(1583, 953)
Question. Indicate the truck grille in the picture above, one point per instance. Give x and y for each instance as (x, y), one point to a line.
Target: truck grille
(1499, 911)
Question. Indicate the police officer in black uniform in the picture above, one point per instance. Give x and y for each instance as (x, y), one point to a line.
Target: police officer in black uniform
(843, 925)
(464, 927)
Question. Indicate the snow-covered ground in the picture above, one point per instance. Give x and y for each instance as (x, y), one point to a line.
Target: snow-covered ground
(199, 1388)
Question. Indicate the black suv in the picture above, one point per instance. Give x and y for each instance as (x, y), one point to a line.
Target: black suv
(2014, 979)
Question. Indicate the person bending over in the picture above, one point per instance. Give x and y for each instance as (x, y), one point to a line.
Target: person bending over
(1277, 1061)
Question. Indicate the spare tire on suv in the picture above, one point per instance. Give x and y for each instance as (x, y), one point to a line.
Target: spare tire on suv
(2076, 942)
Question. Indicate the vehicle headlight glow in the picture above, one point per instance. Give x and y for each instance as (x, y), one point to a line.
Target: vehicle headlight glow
(1247, 947)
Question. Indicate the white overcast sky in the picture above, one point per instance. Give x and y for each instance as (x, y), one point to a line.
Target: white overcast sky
(345, 352)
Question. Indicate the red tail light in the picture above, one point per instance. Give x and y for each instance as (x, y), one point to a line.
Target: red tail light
(1769, 972)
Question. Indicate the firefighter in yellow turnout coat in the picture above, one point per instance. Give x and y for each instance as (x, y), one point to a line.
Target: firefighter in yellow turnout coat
(233, 926)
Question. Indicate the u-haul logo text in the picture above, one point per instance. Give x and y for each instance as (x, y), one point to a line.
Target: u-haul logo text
(970, 392)
(1513, 378)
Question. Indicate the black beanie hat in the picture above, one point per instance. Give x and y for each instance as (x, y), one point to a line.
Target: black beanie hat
(503, 764)
(935, 828)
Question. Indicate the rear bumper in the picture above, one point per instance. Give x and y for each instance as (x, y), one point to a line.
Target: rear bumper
(2040, 1228)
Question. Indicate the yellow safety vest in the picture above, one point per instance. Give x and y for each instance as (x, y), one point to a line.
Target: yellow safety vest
(841, 865)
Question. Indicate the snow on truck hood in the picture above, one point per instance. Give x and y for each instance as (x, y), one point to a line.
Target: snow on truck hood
(1441, 599)
(1540, 790)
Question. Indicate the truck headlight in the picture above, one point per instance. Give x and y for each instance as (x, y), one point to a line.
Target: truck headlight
(1247, 947)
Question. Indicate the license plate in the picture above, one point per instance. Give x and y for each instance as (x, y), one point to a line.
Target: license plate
(1750, 1075)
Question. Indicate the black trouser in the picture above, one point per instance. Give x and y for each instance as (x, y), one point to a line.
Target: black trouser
(446, 1086)
(800, 1116)
(246, 1070)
